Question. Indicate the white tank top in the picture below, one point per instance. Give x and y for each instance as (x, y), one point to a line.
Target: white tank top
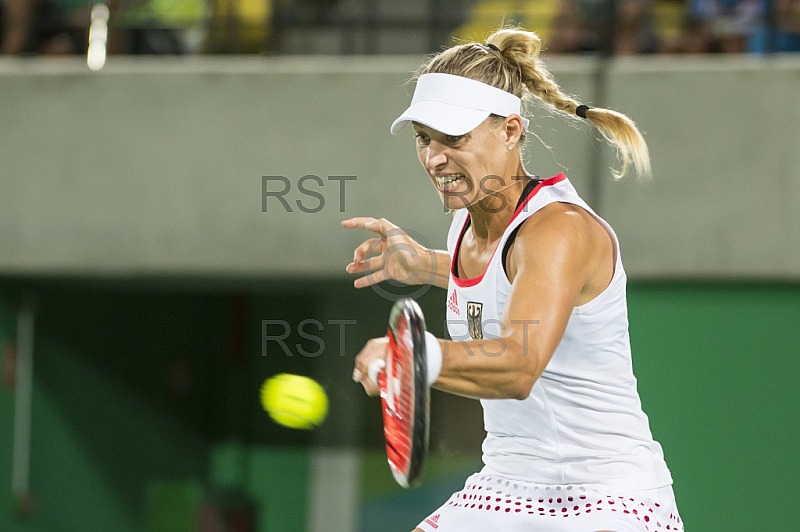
(583, 421)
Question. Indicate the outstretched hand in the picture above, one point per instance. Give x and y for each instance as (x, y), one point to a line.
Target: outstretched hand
(391, 255)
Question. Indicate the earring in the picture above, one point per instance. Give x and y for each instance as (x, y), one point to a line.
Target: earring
(511, 147)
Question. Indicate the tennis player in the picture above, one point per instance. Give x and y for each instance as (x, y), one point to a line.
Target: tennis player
(536, 306)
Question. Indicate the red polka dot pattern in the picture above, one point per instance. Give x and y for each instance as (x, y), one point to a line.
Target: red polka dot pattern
(500, 495)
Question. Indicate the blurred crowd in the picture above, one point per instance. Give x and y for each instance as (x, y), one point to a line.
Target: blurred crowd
(670, 26)
(620, 27)
(61, 27)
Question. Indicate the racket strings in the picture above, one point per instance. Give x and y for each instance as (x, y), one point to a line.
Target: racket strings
(399, 423)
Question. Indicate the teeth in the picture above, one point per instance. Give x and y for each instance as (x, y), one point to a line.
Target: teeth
(446, 180)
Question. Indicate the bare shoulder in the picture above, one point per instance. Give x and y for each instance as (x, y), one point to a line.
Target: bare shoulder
(561, 216)
(559, 235)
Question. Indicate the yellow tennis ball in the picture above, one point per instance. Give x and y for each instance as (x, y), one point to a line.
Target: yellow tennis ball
(294, 401)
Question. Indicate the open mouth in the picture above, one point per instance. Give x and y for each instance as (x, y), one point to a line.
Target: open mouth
(449, 182)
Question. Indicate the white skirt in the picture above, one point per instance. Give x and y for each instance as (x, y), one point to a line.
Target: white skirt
(491, 502)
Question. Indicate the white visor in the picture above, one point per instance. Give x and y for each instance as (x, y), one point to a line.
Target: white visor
(455, 105)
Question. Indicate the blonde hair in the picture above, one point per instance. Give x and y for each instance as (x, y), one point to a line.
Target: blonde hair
(515, 67)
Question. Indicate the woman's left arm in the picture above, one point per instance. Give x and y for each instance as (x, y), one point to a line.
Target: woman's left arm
(554, 256)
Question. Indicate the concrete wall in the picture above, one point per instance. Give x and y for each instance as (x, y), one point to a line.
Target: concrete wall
(155, 167)
(725, 143)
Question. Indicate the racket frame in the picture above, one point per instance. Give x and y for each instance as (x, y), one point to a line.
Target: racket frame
(406, 313)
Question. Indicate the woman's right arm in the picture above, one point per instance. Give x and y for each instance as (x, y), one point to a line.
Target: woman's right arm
(395, 255)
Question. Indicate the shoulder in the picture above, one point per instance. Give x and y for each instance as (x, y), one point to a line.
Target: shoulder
(559, 235)
(558, 214)
(563, 223)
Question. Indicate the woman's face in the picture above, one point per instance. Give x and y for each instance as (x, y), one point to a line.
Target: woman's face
(466, 168)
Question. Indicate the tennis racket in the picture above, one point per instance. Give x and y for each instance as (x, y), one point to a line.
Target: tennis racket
(405, 395)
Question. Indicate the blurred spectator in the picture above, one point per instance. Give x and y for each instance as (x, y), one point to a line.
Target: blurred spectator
(163, 26)
(669, 24)
(569, 31)
(588, 25)
(538, 16)
(239, 26)
(633, 28)
(42, 27)
(49, 27)
(570, 34)
(781, 33)
(724, 25)
(697, 39)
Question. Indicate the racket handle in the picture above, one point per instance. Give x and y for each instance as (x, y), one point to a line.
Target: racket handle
(375, 367)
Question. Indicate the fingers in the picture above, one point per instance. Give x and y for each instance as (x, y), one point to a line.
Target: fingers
(375, 263)
(370, 224)
(380, 226)
(370, 279)
(370, 387)
(375, 349)
(351, 223)
(370, 246)
(359, 265)
(388, 233)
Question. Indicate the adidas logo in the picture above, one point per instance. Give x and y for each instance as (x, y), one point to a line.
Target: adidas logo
(432, 520)
(452, 303)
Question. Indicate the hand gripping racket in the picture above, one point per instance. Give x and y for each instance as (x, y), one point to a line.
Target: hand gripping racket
(405, 395)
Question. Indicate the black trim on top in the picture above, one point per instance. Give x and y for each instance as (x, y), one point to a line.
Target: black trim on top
(525, 193)
(527, 190)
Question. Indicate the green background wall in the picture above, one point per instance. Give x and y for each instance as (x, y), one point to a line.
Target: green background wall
(717, 363)
(718, 367)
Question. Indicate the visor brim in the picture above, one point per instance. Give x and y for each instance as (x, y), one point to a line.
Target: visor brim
(443, 117)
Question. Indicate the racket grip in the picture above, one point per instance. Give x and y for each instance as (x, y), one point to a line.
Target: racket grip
(375, 367)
